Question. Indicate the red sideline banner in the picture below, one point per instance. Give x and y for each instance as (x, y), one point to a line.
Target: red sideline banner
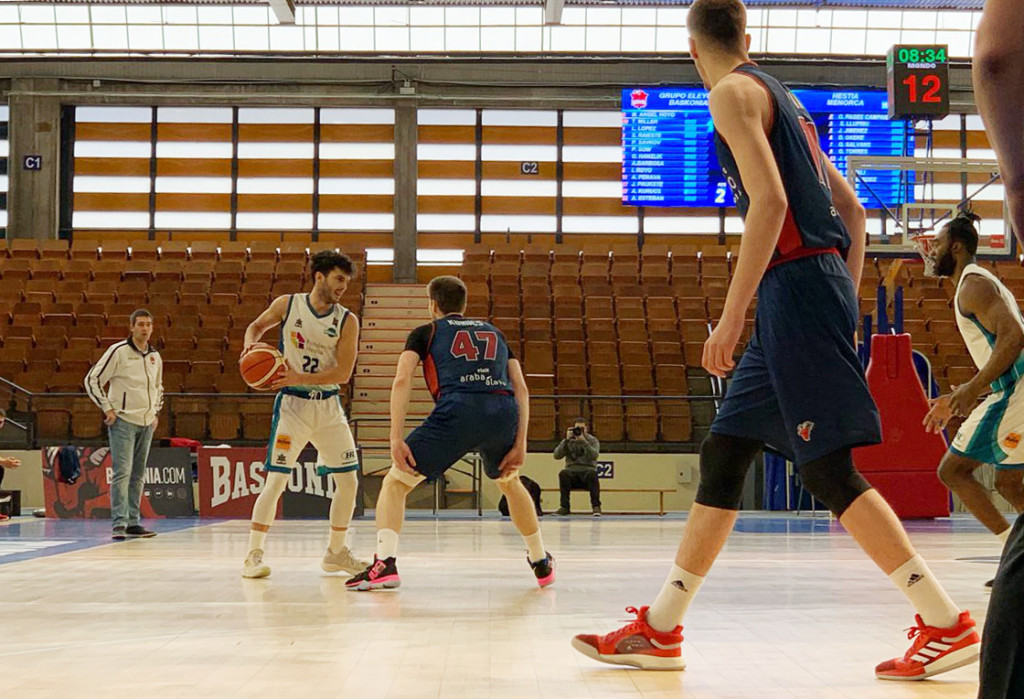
(230, 480)
(167, 491)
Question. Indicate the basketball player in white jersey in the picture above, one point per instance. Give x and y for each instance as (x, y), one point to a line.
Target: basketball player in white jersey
(992, 327)
(319, 341)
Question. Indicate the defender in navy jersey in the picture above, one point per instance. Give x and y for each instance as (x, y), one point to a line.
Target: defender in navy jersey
(799, 387)
(482, 405)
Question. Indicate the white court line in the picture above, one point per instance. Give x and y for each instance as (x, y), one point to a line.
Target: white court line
(10, 547)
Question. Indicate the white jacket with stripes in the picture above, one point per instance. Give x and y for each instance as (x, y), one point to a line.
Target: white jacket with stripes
(136, 378)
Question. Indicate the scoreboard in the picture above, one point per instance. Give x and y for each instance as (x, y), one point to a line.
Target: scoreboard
(669, 151)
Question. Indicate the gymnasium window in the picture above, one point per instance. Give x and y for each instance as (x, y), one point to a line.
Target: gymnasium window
(193, 168)
(446, 169)
(592, 187)
(275, 169)
(357, 157)
(513, 200)
(225, 28)
(112, 155)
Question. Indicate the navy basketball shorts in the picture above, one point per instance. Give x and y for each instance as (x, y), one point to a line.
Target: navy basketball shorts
(462, 423)
(799, 386)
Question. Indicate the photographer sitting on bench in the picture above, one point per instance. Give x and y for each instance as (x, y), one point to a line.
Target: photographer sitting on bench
(580, 450)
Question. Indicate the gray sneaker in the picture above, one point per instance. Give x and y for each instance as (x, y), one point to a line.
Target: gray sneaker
(119, 534)
(562, 512)
(597, 511)
(344, 560)
(254, 566)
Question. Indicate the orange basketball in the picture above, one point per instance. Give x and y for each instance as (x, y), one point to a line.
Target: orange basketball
(260, 365)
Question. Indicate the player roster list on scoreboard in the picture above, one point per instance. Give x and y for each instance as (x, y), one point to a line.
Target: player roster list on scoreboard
(669, 152)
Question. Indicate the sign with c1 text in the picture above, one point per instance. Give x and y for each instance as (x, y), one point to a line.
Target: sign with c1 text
(231, 479)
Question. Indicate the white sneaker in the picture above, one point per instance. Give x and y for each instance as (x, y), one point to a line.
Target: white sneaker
(343, 561)
(254, 566)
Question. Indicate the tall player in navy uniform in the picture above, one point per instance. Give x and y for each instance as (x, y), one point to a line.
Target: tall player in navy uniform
(799, 386)
(482, 404)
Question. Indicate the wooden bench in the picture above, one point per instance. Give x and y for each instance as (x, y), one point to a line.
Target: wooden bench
(660, 491)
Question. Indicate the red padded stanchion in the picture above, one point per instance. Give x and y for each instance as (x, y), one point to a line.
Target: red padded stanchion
(903, 467)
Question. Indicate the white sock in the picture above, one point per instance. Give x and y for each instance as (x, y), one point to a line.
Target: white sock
(387, 543)
(257, 539)
(535, 547)
(916, 581)
(669, 607)
(1004, 535)
(336, 540)
(348, 538)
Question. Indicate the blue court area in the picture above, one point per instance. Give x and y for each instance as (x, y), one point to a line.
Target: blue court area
(24, 538)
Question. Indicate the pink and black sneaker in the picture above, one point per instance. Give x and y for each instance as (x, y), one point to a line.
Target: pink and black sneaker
(544, 569)
(382, 574)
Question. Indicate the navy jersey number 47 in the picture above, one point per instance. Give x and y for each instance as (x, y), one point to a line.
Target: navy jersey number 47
(462, 355)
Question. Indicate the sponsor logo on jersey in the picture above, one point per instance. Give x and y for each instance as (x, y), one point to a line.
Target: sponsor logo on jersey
(803, 430)
(283, 442)
(298, 322)
(1012, 440)
(298, 340)
(331, 332)
(282, 459)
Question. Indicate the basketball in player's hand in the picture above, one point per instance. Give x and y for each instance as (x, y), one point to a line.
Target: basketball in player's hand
(261, 365)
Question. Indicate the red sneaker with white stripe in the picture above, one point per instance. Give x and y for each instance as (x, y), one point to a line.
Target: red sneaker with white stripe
(934, 650)
(635, 644)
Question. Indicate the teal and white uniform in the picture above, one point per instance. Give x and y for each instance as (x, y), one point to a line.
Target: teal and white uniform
(994, 431)
(313, 413)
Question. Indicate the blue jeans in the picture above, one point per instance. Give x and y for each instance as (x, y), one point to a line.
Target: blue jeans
(129, 452)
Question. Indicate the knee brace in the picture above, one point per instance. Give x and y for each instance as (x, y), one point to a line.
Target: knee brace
(834, 481)
(724, 461)
(409, 480)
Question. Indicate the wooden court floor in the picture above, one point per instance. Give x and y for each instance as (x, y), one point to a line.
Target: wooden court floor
(792, 609)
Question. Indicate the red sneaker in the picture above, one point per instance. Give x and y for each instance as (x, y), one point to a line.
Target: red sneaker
(934, 650)
(635, 644)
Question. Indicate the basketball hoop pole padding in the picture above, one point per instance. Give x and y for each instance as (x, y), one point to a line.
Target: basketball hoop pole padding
(903, 468)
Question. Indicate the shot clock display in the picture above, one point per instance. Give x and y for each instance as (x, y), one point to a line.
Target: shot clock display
(918, 80)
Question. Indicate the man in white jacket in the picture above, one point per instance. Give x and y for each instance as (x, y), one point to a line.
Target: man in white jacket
(134, 371)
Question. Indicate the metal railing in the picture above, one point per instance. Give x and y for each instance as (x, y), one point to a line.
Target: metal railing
(622, 422)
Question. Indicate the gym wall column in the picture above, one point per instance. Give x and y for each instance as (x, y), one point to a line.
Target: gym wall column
(33, 194)
(406, 139)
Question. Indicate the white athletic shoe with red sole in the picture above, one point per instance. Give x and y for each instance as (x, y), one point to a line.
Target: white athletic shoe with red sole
(934, 651)
(636, 644)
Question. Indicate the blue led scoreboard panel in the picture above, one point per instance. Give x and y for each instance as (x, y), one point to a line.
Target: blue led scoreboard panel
(669, 151)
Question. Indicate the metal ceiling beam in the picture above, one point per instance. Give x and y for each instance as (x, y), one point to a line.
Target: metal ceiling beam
(553, 11)
(284, 10)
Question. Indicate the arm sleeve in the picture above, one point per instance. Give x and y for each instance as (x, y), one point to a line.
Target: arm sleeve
(99, 376)
(560, 450)
(419, 341)
(593, 447)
